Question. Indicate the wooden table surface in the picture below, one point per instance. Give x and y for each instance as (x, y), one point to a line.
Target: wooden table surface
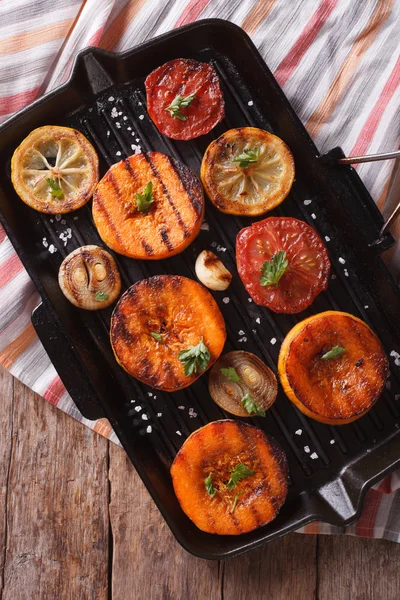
(77, 523)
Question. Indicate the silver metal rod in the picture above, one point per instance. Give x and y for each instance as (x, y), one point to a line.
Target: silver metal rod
(352, 160)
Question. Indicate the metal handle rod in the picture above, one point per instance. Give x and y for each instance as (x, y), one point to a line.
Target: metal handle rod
(352, 160)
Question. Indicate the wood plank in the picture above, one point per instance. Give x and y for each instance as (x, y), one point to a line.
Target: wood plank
(57, 499)
(358, 569)
(285, 568)
(6, 410)
(148, 563)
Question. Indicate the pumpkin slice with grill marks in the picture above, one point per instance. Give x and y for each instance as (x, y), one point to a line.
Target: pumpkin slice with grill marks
(217, 501)
(333, 367)
(159, 318)
(159, 228)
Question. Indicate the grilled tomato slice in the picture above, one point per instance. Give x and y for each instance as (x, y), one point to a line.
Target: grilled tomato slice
(184, 98)
(167, 331)
(230, 478)
(247, 171)
(333, 367)
(283, 263)
(55, 170)
(148, 206)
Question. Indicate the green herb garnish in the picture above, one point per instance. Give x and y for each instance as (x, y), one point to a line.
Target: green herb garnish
(101, 296)
(231, 374)
(236, 498)
(272, 270)
(334, 352)
(156, 336)
(237, 474)
(144, 200)
(211, 490)
(251, 406)
(179, 102)
(195, 357)
(55, 189)
(248, 156)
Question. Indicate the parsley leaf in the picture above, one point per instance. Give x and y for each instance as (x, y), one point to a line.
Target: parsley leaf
(231, 374)
(248, 156)
(236, 498)
(334, 352)
(251, 406)
(195, 357)
(101, 296)
(55, 189)
(211, 490)
(272, 270)
(237, 474)
(179, 102)
(156, 336)
(144, 200)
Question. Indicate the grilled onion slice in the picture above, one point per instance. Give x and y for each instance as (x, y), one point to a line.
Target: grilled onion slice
(240, 379)
(89, 278)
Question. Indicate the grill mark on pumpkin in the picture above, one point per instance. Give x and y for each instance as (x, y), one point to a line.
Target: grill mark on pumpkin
(186, 177)
(98, 200)
(167, 194)
(166, 240)
(145, 245)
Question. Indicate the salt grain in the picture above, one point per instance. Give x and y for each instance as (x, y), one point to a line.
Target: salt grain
(346, 273)
(136, 149)
(205, 226)
(45, 243)
(327, 238)
(111, 99)
(118, 153)
(366, 306)
(120, 113)
(159, 415)
(241, 332)
(125, 118)
(273, 341)
(76, 218)
(149, 429)
(114, 113)
(178, 432)
(150, 394)
(314, 455)
(129, 128)
(332, 442)
(225, 300)
(342, 261)
(221, 248)
(242, 339)
(141, 117)
(307, 449)
(298, 432)
(250, 103)
(192, 413)
(307, 202)
(58, 217)
(138, 408)
(145, 417)
(108, 133)
(258, 320)
(118, 125)
(52, 249)
(181, 407)
(314, 216)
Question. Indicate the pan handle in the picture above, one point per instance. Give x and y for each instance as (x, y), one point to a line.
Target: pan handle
(352, 160)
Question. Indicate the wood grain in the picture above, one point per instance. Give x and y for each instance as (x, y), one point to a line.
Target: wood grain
(6, 423)
(352, 568)
(147, 561)
(56, 512)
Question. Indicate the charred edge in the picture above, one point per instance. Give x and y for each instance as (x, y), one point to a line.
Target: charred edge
(166, 240)
(119, 330)
(167, 194)
(190, 183)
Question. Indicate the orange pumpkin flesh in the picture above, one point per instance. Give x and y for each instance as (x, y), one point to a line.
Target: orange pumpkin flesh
(338, 390)
(217, 448)
(180, 310)
(170, 223)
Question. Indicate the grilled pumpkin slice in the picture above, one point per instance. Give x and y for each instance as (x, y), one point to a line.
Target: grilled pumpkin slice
(332, 367)
(159, 318)
(148, 206)
(230, 478)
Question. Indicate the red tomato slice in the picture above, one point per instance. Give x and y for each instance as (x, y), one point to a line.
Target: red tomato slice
(306, 275)
(183, 77)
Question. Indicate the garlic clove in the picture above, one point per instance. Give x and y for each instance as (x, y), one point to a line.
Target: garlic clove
(212, 272)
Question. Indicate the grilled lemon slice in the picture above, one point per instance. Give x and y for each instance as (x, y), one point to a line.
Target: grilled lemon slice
(55, 169)
(247, 171)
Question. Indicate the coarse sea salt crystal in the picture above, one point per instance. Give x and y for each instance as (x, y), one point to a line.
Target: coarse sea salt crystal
(145, 417)
(221, 248)
(314, 455)
(192, 413)
(150, 393)
(129, 128)
(332, 442)
(141, 117)
(249, 299)
(366, 306)
(342, 261)
(137, 139)
(205, 226)
(125, 118)
(181, 407)
(118, 125)
(298, 431)
(258, 320)
(108, 133)
(314, 216)
(242, 339)
(307, 202)
(149, 429)
(346, 273)
(138, 408)
(118, 153)
(120, 113)
(225, 300)
(273, 341)
(159, 415)
(58, 217)
(327, 238)
(111, 99)
(52, 249)
(250, 103)
(114, 113)
(241, 332)
(136, 149)
(45, 243)
(307, 449)
(178, 432)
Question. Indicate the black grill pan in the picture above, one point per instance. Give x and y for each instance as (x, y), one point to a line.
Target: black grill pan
(330, 468)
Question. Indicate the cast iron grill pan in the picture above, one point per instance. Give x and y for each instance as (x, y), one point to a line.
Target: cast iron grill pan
(330, 468)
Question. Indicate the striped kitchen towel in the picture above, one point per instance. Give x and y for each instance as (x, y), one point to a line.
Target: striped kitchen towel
(337, 61)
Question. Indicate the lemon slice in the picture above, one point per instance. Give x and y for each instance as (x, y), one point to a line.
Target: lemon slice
(247, 171)
(55, 169)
